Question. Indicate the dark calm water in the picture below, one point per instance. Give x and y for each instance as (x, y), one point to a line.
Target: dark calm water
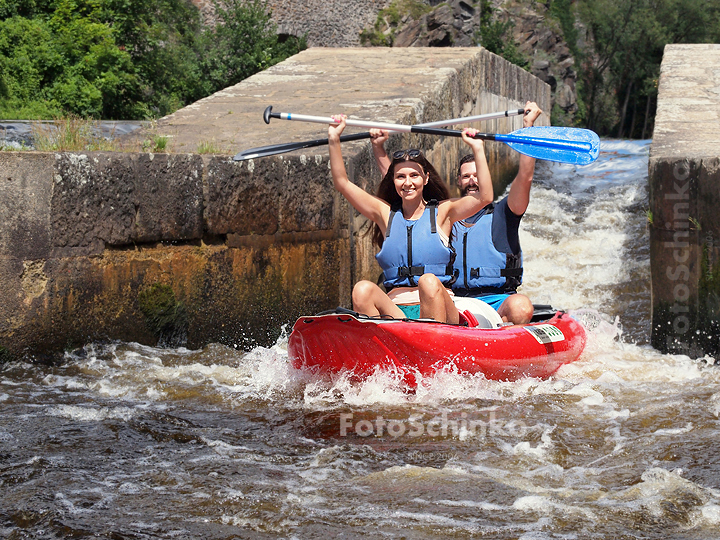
(125, 441)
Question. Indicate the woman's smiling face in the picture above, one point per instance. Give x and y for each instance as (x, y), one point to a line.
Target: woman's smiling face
(409, 180)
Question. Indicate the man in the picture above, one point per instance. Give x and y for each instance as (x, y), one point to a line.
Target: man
(489, 259)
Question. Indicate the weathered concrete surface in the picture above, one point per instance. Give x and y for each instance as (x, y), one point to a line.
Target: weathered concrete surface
(413, 85)
(86, 234)
(684, 175)
(188, 248)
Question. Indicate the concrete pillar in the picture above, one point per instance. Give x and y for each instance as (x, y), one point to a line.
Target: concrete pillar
(684, 176)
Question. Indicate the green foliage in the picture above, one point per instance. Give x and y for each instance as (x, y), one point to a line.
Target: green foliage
(210, 147)
(155, 143)
(24, 8)
(127, 59)
(563, 12)
(241, 44)
(629, 36)
(496, 36)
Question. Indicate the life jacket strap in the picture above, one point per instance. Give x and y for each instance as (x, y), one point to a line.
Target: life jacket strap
(504, 272)
(408, 271)
(432, 204)
(416, 271)
(480, 291)
(511, 272)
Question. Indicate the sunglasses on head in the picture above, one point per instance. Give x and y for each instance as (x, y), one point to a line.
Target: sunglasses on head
(403, 154)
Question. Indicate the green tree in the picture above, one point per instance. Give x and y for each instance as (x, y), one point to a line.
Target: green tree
(629, 36)
(99, 79)
(127, 59)
(243, 42)
(163, 39)
(24, 8)
(30, 60)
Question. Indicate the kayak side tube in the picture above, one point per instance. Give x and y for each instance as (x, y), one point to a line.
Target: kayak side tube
(335, 343)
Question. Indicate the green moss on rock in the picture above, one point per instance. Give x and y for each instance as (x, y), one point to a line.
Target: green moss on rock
(165, 316)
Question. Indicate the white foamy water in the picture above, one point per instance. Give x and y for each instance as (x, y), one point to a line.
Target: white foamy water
(129, 441)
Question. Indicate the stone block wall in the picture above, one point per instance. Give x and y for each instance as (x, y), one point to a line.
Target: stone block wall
(87, 236)
(325, 24)
(328, 24)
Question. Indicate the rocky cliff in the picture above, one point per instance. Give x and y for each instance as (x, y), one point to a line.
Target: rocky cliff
(435, 23)
(537, 36)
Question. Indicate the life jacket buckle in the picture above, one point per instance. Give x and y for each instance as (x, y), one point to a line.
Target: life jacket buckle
(410, 271)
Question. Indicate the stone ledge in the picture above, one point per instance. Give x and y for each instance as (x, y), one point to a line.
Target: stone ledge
(688, 112)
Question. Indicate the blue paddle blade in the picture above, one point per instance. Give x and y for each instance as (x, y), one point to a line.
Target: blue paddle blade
(554, 143)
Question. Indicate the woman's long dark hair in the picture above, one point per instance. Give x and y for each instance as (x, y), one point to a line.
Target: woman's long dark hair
(434, 189)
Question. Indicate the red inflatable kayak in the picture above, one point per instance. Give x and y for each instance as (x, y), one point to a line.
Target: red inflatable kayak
(346, 341)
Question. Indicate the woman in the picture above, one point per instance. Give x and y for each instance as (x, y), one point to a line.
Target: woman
(413, 219)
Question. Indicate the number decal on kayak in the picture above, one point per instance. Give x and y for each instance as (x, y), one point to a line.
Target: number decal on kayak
(546, 333)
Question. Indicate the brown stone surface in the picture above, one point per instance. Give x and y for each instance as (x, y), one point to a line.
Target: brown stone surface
(684, 177)
(116, 199)
(269, 195)
(688, 111)
(168, 198)
(25, 191)
(377, 84)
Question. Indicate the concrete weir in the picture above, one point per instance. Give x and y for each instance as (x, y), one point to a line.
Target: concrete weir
(684, 175)
(189, 248)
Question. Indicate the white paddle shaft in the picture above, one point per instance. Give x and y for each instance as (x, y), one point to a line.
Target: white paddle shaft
(395, 127)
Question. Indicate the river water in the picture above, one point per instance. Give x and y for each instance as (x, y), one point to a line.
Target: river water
(125, 441)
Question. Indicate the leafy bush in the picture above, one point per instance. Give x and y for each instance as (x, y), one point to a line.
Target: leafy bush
(127, 59)
(618, 77)
(241, 44)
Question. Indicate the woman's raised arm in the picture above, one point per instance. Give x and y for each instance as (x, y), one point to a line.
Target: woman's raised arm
(370, 206)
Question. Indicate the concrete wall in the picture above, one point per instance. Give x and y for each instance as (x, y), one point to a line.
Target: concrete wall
(684, 175)
(190, 248)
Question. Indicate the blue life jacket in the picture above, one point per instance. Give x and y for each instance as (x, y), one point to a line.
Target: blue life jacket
(481, 267)
(413, 248)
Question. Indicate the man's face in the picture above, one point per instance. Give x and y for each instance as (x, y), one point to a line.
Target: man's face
(467, 181)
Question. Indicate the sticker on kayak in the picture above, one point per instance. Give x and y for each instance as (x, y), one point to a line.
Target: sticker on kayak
(546, 333)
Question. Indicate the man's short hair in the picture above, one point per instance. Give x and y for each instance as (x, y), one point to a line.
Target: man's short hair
(465, 159)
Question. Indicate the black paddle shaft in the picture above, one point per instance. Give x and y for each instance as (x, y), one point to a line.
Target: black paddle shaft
(450, 133)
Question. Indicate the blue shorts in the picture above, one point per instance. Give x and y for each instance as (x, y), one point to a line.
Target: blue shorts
(411, 312)
(495, 300)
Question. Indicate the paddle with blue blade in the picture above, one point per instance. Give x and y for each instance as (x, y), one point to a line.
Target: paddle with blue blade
(273, 149)
(564, 145)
